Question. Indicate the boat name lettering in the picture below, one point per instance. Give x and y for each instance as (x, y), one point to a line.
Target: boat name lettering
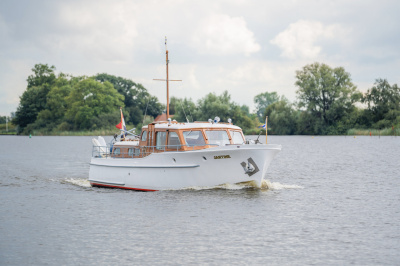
(222, 157)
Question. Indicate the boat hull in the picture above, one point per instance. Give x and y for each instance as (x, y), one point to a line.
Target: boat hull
(178, 170)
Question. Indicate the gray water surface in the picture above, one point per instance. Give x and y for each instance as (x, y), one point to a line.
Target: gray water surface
(332, 201)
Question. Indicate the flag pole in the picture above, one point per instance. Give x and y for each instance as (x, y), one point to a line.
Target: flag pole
(266, 130)
(166, 54)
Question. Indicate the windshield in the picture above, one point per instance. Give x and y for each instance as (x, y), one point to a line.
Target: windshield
(144, 135)
(219, 137)
(173, 141)
(237, 137)
(193, 138)
(160, 140)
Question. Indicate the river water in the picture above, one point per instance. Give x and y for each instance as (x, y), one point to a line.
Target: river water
(331, 201)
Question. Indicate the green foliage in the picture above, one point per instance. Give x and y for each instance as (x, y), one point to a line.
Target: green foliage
(88, 100)
(43, 74)
(31, 103)
(383, 101)
(184, 110)
(173, 102)
(58, 103)
(34, 99)
(326, 98)
(262, 101)
(211, 106)
(281, 117)
(2, 119)
(137, 100)
(6, 126)
(326, 94)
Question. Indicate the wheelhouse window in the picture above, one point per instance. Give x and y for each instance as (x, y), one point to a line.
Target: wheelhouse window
(219, 137)
(237, 137)
(173, 140)
(161, 137)
(194, 138)
(144, 135)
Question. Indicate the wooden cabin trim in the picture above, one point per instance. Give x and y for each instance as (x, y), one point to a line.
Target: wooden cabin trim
(152, 131)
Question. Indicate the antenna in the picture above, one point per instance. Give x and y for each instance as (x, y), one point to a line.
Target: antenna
(167, 79)
(145, 112)
(184, 112)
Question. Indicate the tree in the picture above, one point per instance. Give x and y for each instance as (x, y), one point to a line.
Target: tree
(211, 106)
(173, 105)
(383, 101)
(262, 101)
(34, 99)
(43, 74)
(137, 99)
(184, 109)
(327, 94)
(90, 98)
(281, 117)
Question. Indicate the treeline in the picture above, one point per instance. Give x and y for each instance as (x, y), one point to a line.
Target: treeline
(327, 103)
(53, 103)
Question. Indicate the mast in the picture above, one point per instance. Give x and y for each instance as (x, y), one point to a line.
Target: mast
(166, 55)
(167, 79)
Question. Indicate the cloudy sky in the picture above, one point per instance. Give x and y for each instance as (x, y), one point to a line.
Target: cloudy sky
(243, 46)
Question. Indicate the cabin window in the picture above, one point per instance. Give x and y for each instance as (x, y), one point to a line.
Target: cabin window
(237, 137)
(117, 151)
(161, 137)
(219, 137)
(133, 152)
(194, 138)
(173, 141)
(144, 135)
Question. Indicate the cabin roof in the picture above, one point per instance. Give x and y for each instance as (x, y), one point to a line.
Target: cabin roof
(196, 125)
(126, 143)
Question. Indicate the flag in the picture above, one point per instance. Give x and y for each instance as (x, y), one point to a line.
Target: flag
(122, 125)
(263, 126)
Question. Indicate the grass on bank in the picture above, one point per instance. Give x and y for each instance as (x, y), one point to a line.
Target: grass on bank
(9, 129)
(374, 132)
(97, 132)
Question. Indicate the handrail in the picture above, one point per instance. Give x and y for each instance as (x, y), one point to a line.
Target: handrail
(140, 151)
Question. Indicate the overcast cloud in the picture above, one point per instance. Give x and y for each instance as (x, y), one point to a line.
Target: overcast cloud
(245, 47)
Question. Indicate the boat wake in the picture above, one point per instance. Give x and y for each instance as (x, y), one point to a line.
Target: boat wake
(265, 185)
(78, 182)
(277, 186)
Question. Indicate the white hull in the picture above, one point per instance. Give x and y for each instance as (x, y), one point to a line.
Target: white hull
(176, 170)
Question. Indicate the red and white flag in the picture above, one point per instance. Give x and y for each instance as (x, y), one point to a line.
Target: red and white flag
(122, 125)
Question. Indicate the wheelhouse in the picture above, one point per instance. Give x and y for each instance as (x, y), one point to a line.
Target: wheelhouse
(174, 136)
(190, 136)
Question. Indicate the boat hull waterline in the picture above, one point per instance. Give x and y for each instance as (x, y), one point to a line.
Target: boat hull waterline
(205, 168)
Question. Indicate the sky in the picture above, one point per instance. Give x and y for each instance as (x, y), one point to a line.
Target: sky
(246, 47)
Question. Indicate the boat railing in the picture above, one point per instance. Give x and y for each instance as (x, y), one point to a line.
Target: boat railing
(141, 151)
